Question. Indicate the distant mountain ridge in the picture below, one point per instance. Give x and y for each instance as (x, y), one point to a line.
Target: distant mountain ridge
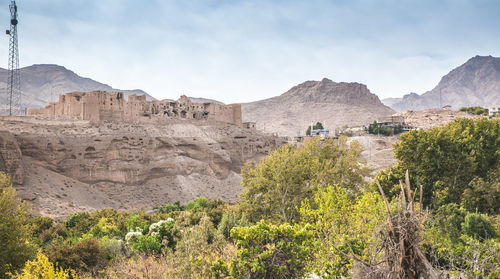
(475, 83)
(334, 104)
(42, 83)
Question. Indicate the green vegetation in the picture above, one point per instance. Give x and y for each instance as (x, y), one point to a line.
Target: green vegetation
(475, 110)
(275, 187)
(15, 245)
(379, 129)
(304, 212)
(271, 251)
(458, 163)
(316, 126)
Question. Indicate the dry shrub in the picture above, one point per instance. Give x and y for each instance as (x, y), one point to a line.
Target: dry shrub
(140, 267)
(401, 239)
(168, 266)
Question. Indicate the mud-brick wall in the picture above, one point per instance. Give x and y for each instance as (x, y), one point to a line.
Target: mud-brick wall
(225, 113)
(111, 106)
(236, 114)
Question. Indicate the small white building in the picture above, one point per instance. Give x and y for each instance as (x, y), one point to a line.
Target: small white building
(494, 110)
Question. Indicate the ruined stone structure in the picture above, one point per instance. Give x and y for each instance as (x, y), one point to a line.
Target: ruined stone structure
(112, 106)
(249, 125)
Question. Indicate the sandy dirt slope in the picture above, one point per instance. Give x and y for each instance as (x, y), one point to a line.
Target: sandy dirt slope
(65, 166)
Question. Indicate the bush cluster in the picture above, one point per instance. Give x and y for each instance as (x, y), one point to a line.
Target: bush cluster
(304, 212)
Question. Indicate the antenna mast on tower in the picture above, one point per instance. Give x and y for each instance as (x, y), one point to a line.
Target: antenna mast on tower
(13, 81)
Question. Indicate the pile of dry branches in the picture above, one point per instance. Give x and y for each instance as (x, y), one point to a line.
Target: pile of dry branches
(401, 238)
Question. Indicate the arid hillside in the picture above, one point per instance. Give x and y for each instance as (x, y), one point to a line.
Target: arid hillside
(475, 83)
(334, 104)
(72, 165)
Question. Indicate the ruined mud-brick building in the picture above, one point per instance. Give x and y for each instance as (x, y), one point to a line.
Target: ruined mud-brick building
(112, 106)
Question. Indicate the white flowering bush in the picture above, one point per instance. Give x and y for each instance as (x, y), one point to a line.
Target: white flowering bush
(131, 237)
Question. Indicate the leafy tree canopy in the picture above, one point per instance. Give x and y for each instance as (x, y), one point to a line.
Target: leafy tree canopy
(454, 164)
(316, 126)
(15, 246)
(274, 188)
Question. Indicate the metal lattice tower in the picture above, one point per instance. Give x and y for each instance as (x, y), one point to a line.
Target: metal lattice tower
(13, 82)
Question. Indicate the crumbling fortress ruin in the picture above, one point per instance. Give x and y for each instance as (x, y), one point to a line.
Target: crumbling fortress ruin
(112, 106)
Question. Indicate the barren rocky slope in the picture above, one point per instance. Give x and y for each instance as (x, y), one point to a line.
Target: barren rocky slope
(67, 166)
(333, 104)
(429, 118)
(42, 83)
(475, 83)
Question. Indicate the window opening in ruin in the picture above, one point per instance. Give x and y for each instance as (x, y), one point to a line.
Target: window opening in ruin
(183, 114)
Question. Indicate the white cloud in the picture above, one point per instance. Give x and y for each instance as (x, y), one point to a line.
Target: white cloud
(237, 51)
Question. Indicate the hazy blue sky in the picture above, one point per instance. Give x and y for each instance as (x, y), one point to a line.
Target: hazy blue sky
(237, 51)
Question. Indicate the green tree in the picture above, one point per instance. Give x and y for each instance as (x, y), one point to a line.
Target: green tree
(86, 255)
(478, 226)
(462, 241)
(475, 110)
(15, 244)
(446, 159)
(316, 126)
(344, 227)
(271, 251)
(483, 194)
(275, 187)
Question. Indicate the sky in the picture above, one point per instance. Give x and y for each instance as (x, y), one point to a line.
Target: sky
(241, 51)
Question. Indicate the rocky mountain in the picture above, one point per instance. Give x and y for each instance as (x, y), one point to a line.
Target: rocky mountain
(334, 104)
(43, 83)
(475, 83)
(73, 165)
(204, 100)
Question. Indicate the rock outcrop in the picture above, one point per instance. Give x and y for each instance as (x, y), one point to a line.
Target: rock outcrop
(75, 166)
(475, 83)
(334, 104)
(11, 158)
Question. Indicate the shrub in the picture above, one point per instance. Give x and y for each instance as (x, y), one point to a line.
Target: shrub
(475, 110)
(73, 219)
(42, 268)
(227, 223)
(170, 207)
(342, 227)
(85, 256)
(271, 251)
(56, 233)
(132, 237)
(147, 244)
(114, 247)
(40, 224)
(199, 204)
(478, 226)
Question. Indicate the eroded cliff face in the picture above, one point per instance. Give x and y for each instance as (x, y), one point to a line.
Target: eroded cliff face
(125, 166)
(11, 158)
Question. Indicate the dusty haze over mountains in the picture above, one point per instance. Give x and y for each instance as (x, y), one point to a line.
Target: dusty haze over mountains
(41, 84)
(475, 83)
(334, 104)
